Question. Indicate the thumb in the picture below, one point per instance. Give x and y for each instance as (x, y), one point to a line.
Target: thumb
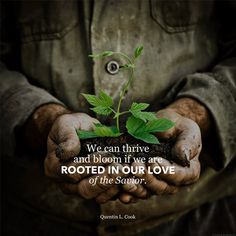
(69, 147)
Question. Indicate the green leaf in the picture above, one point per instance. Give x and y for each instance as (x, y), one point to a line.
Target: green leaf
(100, 131)
(136, 110)
(105, 99)
(145, 116)
(101, 110)
(136, 128)
(138, 51)
(147, 137)
(107, 53)
(134, 124)
(159, 125)
(92, 99)
(101, 55)
(139, 106)
(127, 66)
(102, 104)
(105, 131)
(141, 130)
(86, 134)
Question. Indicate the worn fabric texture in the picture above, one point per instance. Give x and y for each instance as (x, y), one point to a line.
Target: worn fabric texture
(189, 51)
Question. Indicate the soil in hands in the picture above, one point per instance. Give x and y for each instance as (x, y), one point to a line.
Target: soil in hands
(155, 150)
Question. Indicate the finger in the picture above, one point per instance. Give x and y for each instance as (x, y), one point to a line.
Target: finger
(51, 145)
(174, 117)
(89, 191)
(155, 185)
(135, 189)
(69, 146)
(87, 122)
(107, 195)
(106, 157)
(102, 198)
(127, 198)
(64, 134)
(69, 175)
(53, 168)
(130, 188)
(182, 175)
(188, 142)
(138, 191)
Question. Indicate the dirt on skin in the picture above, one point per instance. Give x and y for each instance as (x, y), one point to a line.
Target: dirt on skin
(155, 150)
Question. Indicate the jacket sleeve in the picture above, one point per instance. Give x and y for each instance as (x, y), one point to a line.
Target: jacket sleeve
(18, 98)
(216, 89)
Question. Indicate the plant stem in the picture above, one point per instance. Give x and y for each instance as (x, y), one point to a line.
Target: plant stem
(124, 112)
(113, 111)
(124, 89)
(125, 56)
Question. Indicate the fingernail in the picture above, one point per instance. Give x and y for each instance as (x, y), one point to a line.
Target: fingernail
(59, 151)
(187, 154)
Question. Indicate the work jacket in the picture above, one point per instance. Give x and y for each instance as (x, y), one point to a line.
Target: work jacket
(189, 51)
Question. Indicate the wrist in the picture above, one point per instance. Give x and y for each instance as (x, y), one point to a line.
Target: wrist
(36, 129)
(44, 116)
(194, 110)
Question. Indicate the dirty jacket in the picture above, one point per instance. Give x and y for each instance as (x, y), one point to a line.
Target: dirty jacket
(189, 51)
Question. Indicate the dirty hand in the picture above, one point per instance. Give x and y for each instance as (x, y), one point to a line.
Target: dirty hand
(191, 119)
(185, 151)
(63, 144)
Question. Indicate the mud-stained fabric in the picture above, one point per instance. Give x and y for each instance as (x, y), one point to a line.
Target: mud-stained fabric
(189, 51)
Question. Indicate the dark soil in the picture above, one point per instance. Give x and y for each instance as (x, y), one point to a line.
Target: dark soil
(155, 150)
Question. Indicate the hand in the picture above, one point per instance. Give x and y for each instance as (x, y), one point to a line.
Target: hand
(63, 144)
(190, 117)
(102, 192)
(131, 193)
(186, 135)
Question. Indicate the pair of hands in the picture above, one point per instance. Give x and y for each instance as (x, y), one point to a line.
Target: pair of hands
(63, 144)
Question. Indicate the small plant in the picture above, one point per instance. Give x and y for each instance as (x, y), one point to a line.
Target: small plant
(140, 124)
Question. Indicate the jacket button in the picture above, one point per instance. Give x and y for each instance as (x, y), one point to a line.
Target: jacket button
(112, 67)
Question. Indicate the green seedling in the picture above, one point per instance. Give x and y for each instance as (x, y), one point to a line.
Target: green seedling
(140, 124)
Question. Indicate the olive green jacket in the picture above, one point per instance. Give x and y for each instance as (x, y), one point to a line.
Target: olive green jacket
(189, 50)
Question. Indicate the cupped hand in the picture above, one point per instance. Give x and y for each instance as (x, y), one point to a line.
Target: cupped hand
(186, 150)
(63, 144)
